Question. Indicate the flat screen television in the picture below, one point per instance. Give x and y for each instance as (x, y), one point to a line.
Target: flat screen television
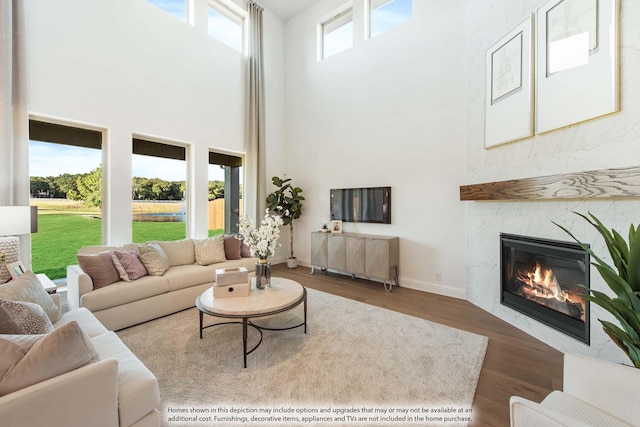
(372, 204)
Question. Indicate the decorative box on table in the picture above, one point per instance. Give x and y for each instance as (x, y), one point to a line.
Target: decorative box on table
(231, 282)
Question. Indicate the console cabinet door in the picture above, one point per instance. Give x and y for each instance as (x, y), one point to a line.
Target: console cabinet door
(356, 254)
(319, 249)
(337, 252)
(382, 255)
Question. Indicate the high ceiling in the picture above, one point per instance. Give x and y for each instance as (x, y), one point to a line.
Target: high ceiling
(285, 9)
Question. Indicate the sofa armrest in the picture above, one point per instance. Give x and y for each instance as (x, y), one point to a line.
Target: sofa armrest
(86, 396)
(608, 386)
(78, 284)
(526, 413)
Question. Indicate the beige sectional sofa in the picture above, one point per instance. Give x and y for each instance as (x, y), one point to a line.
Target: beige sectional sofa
(107, 385)
(126, 303)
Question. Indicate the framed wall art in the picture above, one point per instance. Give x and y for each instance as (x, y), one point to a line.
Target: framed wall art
(576, 62)
(509, 86)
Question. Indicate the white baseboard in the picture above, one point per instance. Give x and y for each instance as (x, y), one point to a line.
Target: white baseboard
(434, 288)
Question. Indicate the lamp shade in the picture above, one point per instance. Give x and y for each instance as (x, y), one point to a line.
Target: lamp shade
(15, 220)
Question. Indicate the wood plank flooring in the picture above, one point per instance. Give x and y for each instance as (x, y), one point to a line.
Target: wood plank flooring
(515, 363)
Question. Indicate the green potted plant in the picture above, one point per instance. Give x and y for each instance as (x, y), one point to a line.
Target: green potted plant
(286, 201)
(623, 278)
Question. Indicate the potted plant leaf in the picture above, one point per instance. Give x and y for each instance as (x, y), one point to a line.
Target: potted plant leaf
(286, 201)
(623, 278)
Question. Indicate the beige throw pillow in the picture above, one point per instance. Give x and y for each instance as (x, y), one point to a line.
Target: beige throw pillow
(27, 288)
(154, 259)
(17, 317)
(180, 252)
(209, 251)
(30, 361)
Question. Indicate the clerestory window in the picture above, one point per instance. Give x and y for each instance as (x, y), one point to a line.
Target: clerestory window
(225, 23)
(337, 32)
(177, 8)
(387, 14)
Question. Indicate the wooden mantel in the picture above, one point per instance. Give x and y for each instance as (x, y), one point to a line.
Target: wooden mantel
(604, 183)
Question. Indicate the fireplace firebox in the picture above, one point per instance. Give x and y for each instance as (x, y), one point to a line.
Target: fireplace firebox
(543, 279)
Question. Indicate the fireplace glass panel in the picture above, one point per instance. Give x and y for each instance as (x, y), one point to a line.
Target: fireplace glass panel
(543, 279)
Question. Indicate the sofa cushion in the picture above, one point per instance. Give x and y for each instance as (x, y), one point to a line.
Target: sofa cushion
(209, 251)
(128, 265)
(87, 321)
(27, 288)
(180, 252)
(138, 390)
(124, 292)
(185, 276)
(232, 247)
(99, 267)
(17, 317)
(27, 361)
(154, 259)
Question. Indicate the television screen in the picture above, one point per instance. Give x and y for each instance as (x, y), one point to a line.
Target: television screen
(371, 204)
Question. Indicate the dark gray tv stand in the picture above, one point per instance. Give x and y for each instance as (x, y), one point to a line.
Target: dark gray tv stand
(367, 255)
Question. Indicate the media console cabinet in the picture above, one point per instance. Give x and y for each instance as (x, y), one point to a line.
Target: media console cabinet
(365, 255)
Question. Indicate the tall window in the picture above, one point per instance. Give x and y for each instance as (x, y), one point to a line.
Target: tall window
(225, 23)
(158, 191)
(337, 33)
(387, 14)
(225, 193)
(66, 179)
(177, 8)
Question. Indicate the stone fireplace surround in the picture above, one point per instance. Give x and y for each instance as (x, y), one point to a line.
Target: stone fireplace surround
(607, 142)
(534, 217)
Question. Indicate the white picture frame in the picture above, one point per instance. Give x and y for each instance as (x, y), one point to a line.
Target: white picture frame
(16, 269)
(577, 71)
(336, 226)
(509, 86)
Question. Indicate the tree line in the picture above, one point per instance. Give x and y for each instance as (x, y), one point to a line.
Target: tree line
(86, 187)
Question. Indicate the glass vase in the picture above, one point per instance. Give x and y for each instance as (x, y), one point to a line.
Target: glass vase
(263, 274)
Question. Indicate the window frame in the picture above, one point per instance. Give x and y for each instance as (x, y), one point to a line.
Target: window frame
(232, 12)
(332, 22)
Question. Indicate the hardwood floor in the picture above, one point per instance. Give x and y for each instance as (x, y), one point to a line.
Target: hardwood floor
(515, 363)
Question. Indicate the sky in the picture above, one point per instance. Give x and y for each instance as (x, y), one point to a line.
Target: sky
(48, 159)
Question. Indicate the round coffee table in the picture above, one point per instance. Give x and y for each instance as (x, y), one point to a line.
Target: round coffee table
(283, 295)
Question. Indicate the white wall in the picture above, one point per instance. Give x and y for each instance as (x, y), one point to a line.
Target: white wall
(607, 142)
(388, 112)
(130, 68)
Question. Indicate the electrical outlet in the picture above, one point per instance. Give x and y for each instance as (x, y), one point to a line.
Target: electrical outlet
(438, 276)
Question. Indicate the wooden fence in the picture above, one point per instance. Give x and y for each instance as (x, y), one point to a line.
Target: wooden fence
(216, 214)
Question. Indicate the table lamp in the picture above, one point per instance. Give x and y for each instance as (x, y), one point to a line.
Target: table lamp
(15, 220)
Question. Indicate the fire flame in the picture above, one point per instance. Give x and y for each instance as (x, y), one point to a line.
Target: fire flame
(542, 283)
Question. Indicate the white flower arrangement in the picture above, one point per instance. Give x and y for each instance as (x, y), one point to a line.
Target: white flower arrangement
(263, 240)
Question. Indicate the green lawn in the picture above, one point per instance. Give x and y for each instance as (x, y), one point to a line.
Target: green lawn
(59, 237)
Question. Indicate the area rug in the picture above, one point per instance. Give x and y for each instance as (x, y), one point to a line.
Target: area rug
(356, 365)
